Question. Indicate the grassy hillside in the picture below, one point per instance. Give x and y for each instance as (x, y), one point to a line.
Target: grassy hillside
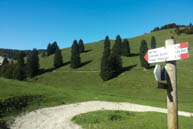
(65, 85)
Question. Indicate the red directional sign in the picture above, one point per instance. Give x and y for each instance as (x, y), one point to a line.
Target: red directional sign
(169, 53)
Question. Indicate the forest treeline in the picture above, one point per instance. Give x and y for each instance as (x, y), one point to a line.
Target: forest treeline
(179, 29)
(111, 62)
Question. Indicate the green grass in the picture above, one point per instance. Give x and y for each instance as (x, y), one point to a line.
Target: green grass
(65, 85)
(127, 120)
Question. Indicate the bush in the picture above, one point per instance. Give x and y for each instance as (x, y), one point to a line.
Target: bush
(16, 104)
(115, 117)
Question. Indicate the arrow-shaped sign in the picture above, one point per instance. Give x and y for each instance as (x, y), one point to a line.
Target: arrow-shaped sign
(169, 53)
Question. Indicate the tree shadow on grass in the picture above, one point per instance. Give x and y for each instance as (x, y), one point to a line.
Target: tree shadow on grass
(85, 51)
(128, 68)
(133, 54)
(85, 63)
(42, 71)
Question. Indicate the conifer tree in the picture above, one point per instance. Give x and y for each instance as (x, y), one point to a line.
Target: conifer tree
(33, 63)
(125, 48)
(8, 70)
(36, 60)
(54, 46)
(5, 61)
(20, 59)
(58, 60)
(19, 72)
(49, 49)
(153, 42)
(105, 70)
(117, 46)
(81, 45)
(143, 50)
(115, 64)
(75, 56)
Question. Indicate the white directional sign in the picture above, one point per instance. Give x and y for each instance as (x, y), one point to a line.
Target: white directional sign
(169, 53)
(157, 72)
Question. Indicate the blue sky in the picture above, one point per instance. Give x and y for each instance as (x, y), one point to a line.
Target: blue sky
(28, 24)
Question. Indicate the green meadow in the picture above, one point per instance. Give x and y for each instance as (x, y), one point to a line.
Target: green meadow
(65, 85)
(127, 120)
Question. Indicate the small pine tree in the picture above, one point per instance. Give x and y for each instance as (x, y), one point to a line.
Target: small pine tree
(18, 73)
(49, 49)
(143, 50)
(75, 56)
(33, 63)
(125, 48)
(58, 60)
(5, 61)
(20, 59)
(81, 45)
(105, 71)
(153, 42)
(36, 61)
(29, 66)
(117, 46)
(7, 70)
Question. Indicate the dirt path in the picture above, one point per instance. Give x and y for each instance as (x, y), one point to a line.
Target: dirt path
(60, 117)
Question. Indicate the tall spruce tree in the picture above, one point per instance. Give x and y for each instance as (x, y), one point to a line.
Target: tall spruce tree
(33, 63)
(143, 50)
(58, 60)
(115, 64)
(153, 42)
(117, 46)
(105, 70)
(81, 45)
(125, 48)
(19, 71)
(75, 56)
(20, 59)
(54, 46)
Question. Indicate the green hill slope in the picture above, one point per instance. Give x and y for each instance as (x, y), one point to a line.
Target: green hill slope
(65, 85)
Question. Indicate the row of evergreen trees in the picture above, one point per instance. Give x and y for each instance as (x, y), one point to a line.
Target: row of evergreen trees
(76, 49)
(20, 70)
(111, 63)
(51, 49)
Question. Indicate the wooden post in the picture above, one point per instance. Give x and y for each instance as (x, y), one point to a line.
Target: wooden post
(172, 100)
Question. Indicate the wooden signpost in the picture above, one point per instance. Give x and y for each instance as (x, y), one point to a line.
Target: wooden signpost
(169, 54)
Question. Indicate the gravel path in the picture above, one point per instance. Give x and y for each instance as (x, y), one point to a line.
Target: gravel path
(60, 117)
